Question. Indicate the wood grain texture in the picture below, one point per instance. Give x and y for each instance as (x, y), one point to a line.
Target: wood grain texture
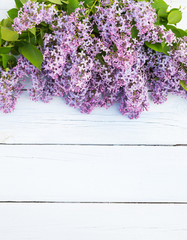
(93, 173)
(92, 221)
(3, 14)
(57, 123)
(7, 5)
(31, 172)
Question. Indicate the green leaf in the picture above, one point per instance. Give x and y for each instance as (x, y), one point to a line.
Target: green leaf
(174, 17)
(134, 32)
(8, 60)
(13, 13)
(72, 5)
(95, 30)
(24, 35)
(156, 46)
(183, 84)
(14, 51)
(182, 32)
(162, 13)
(159, 4)
(173, 9)
(165, 48)
(8, 34)
(88, 3)
(100, 58)
(33, 40)
(177, 31)
(7, 23)
(0, 37)
(174, 30)
(23, 1)
(115, 48)
(5, 50)
(161, 18)
(32, 30)
(55, 1)
(32, 54)
(40, 37)
(18, 4)
(12, 61)
(4, 60)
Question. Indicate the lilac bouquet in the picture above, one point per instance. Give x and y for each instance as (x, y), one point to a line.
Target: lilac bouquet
(94, 54)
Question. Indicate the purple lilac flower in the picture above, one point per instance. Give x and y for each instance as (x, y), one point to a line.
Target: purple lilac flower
(33, 13)
(98, 70)
(166, 72)
(11, 85)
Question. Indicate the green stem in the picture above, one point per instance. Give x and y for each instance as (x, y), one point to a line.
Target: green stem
(29, 37)
(92, 8)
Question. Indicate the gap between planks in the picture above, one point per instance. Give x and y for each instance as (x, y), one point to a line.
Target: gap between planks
(94, 145)
(86, 202)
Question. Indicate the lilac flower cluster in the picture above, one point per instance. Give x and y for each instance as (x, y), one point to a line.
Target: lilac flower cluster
(11, 85)
(93, 61)
(166, 72)
(124, 55)
(32, 14)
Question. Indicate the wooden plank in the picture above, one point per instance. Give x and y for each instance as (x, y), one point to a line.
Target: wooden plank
(57, 123)
(92, 221)
(93, 173)
(3, 14)
(6, 5)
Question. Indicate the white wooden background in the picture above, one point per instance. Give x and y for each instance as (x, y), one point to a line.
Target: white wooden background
(66, 175)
